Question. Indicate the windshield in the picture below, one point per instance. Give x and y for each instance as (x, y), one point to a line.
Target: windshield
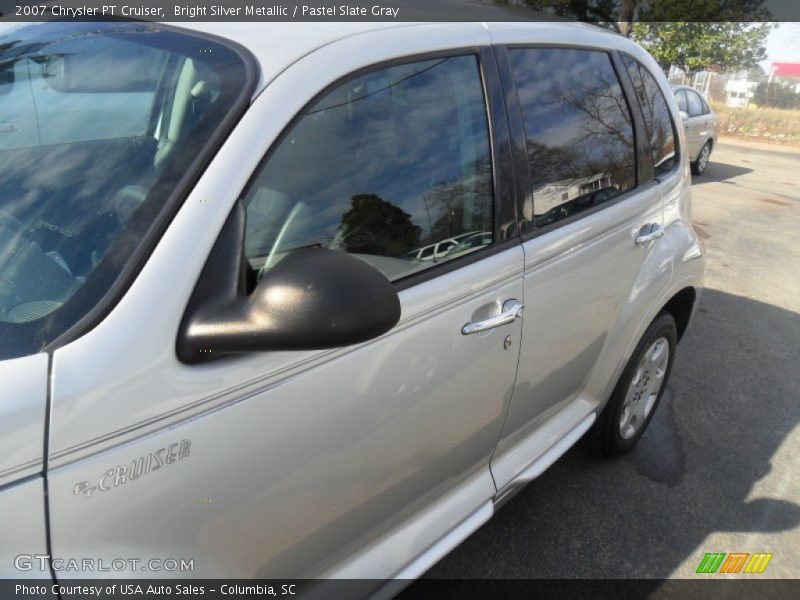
(98, 124)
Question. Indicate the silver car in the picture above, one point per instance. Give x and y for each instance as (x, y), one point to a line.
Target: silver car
(219, 356)
(700, 126)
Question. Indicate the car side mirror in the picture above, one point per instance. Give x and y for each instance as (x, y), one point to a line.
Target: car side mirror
(314, 298)
(683, 115)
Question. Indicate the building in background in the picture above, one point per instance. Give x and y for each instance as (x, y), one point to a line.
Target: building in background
(739, 92)
(775, 86)
(786, 70)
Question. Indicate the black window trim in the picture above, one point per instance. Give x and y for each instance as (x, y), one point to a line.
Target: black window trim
(644, 149)
(495, 122)
(676, 168)
(516, 128)
(637, 122)
(502, 188)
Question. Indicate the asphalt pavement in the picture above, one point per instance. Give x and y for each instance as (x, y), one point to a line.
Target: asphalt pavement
(719, 468)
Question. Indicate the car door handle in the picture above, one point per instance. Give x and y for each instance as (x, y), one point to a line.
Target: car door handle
(512, 310)
(648, 233)
(8, 127)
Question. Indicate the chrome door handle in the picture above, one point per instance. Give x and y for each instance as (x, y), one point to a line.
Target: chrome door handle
(512, 309)
(8, 127)
(648, 233)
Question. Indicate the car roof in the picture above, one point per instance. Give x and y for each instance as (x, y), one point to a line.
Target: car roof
(276, 46)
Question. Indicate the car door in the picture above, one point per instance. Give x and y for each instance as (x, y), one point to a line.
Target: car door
(689, 133)
(698, 125)
(23, 399)
(297, 464)
(704, 121)
(591, 200)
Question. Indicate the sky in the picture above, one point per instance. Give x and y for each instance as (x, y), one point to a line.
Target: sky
(783, 43)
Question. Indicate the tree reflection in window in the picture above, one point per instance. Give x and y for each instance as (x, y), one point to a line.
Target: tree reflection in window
(657, 120)
(578, 128)
(393, 166)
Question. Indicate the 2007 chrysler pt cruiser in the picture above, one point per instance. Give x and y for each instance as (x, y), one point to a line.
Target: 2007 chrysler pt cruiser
(313, 300)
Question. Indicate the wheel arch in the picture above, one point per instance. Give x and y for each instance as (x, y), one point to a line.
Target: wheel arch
(681, 306)
(710, 142)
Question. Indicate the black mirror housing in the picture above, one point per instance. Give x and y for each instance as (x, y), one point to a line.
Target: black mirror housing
(313, 299)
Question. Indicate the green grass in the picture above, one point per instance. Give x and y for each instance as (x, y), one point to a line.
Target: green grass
(764, 124)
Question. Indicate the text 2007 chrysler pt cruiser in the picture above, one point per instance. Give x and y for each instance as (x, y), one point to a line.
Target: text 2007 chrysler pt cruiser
(313, 302)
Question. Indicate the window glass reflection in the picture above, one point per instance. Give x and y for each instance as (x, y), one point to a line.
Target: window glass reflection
(695, 104)
(579, 132)
(680, 96)
(98, 124)
(393, 166)
(658, 122)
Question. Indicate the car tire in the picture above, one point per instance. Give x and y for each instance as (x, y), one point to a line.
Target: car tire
(699, 166)
(638, 391)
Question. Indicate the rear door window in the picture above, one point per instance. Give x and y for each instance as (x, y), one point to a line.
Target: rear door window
(680, 96)
(658, 122)
(578, 131)
(695, 104)
(706, 109)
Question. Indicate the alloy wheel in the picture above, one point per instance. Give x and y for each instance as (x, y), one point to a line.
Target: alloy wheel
(644, 388)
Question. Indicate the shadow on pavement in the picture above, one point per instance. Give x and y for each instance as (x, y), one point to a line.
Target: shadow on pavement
(731, 402)
(717, 171)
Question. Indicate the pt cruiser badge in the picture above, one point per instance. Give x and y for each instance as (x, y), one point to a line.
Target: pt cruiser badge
(113, 478)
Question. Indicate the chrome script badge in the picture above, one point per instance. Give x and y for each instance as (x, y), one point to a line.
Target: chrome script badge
(122, 474)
